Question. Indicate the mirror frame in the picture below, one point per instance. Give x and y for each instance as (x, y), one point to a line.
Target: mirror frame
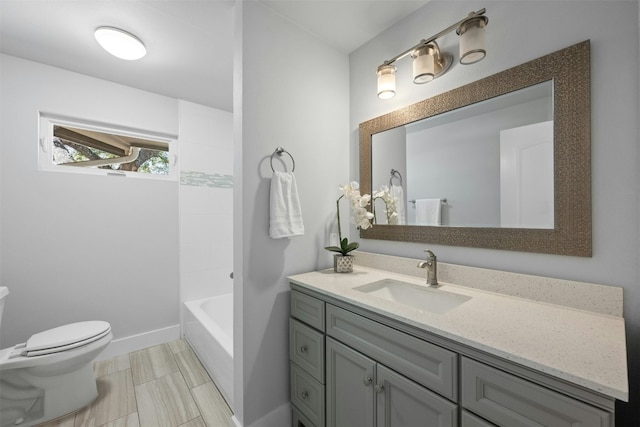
(569, 69)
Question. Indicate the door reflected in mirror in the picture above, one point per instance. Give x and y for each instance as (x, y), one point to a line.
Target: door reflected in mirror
(489, 164)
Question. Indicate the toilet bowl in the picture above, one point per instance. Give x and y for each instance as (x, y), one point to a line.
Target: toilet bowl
(51, 374)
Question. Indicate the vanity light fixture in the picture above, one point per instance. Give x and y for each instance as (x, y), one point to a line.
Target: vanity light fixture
(429, 62)
(386, 81)
(120, 43)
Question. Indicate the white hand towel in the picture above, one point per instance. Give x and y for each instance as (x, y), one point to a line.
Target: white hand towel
(428, 211)
(285, 212)
(398, 194)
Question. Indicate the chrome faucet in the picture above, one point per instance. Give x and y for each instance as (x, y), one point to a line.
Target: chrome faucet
(431, 264)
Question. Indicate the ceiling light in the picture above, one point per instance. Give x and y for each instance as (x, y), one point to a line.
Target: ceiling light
(120, 43)
(429, 62)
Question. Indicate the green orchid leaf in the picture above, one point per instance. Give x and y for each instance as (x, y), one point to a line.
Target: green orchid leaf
(344, 243)
(353, 246)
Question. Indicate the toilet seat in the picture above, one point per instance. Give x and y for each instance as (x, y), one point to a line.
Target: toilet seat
(65, 338)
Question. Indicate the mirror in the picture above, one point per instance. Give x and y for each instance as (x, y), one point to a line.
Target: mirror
(491, 161)
(502, 163)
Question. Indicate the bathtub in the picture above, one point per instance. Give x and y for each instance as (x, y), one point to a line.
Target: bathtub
(208, 328)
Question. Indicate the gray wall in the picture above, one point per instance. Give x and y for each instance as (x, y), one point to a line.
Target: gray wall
(291, 91)
(82, 247)
(518, 32)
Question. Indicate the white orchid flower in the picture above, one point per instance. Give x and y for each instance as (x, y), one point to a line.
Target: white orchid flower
(393, 218)
(364, 200)
(361, 216)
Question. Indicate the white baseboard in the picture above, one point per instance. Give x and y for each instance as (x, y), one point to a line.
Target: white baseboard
(140, 341)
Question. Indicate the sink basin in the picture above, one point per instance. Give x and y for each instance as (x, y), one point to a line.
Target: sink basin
(420, 297)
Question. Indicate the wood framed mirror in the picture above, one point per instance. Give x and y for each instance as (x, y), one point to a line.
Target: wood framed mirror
(565, 76)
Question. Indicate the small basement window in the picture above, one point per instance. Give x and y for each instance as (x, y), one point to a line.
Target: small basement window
(70, 145)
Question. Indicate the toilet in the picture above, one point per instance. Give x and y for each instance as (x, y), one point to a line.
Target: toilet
(51, 374)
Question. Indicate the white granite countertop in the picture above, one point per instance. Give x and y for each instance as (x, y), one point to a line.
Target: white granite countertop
(582, 347)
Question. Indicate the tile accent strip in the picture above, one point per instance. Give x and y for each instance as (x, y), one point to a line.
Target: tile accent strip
(201, 179)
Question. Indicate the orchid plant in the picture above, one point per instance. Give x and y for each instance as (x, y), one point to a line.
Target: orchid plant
(389, 202)
(361, 217)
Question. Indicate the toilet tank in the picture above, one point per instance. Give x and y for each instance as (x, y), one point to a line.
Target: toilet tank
(4, 291)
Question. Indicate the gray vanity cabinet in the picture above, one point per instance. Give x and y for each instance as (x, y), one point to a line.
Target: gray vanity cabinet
(362, 392)
(348, 370)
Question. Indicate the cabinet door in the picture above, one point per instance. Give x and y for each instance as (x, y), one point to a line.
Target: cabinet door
(350, 380)
(401, 402)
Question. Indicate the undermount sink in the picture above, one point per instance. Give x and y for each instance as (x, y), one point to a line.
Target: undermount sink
(428, 299)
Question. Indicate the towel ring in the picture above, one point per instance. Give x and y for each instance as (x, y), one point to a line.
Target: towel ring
(279, 151)
(394, 174)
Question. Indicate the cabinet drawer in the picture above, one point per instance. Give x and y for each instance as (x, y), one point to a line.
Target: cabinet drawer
(423, 362)
(306, 349)
(509, 401)
(470, 420)
(307, 395)
(299, 420)
(308, 309)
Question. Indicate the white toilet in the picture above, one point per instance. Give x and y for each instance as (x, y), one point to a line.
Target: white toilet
(51, 374)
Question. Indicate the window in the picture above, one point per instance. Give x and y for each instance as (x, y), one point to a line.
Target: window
(71, 145)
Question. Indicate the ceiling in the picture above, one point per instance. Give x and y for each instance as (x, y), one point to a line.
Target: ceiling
(189, 42)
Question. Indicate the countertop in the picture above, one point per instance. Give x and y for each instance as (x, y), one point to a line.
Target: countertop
(582, 347)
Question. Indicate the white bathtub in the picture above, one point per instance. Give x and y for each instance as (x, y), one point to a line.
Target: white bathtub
(208, 327)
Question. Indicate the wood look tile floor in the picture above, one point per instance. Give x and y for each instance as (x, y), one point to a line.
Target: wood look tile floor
(161, 386)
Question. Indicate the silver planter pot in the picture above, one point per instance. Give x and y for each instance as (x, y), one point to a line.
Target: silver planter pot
(343, 263)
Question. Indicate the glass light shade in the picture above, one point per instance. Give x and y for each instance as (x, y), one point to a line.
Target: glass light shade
(386, 81)
(472, 45)
(423, 64)
(120, 43)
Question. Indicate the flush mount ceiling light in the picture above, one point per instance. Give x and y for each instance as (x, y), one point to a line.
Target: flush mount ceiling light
(429, 62)
(120, 43)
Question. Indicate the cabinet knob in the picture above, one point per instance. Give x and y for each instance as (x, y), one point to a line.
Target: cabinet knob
(367, 381)
(379, 388)
(303, 349)
(304, 395)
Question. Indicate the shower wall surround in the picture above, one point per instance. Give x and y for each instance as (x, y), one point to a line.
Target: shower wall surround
(206, 201)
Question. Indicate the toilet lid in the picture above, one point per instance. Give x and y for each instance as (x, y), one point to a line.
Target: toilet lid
(66, 337)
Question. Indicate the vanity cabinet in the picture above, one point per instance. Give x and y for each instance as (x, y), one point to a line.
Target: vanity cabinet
(351, 367)
(363, 392)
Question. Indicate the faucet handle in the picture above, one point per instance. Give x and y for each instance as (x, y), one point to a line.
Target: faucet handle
(430, 254)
